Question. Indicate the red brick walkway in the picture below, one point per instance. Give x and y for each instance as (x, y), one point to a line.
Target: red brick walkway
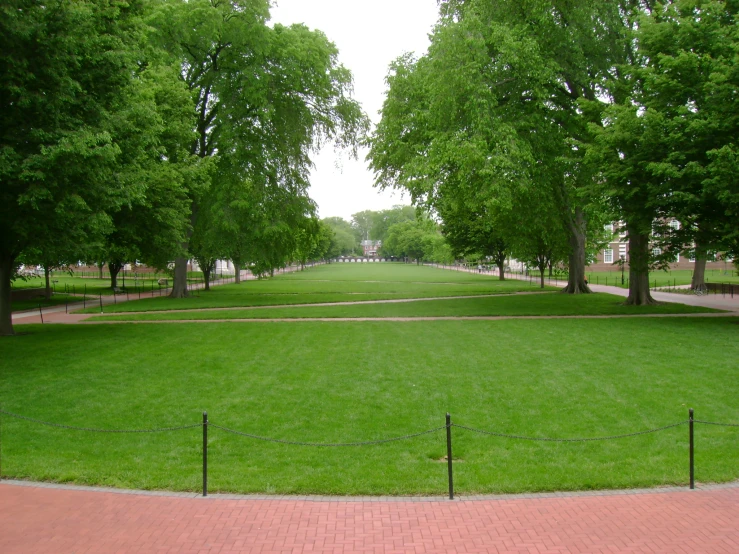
(59, 521)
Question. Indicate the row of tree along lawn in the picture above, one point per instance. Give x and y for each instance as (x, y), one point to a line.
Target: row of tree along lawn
(528, 126)
(162, 130)
(170, 130)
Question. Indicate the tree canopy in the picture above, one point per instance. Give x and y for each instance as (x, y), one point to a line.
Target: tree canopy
(265, 98)
(68, 70)
(596, 109)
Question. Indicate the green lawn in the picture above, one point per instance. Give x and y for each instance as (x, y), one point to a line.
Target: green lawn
(58, 299)
(85, 285)
(337, 283)
(62, 282)
(341, 381)
(548, 303)
(662, 279)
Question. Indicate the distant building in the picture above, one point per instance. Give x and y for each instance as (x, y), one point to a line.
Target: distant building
(371, 247)
(618, 248)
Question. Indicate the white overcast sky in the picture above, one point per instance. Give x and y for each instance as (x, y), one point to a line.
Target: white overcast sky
(369, 35)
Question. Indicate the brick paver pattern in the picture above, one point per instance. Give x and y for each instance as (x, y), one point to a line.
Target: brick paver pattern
(59, 521)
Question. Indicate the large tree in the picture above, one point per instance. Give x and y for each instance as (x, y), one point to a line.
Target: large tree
(266, 96)
(65, 68)
(494, 106)
(475, 232)
(690, 78)
(665, 149)
(343, 241)
(154, 133)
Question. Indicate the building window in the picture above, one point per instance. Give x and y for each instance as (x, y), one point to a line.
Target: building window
(675, 225)
(609, 228)
(608, 256)
(656, 252)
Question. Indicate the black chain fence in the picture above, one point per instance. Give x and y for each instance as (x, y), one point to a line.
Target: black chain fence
(327, 444)
(448, 427)
(586, 439)
(714, 423)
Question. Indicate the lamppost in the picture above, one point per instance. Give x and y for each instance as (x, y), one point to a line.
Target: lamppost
(623, 260)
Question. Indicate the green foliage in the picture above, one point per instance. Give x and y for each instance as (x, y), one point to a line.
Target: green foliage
(343, 241)
(67, 74)
(418, 240)
(664, 150)
(492, 110)
(155, 134)
(374, 225)
(266, 97)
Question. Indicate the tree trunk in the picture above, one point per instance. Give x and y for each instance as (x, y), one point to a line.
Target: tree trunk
(179, 283)
(501, 270)
(542, 269)
(206, 275)
(576, 280)
(7, 265)
(100, 269)
(639, 294)
(47, 292)
(237, 273)
(115, 269)
(699, 271)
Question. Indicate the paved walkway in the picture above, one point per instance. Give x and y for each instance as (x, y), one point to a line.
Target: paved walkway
(63, 521)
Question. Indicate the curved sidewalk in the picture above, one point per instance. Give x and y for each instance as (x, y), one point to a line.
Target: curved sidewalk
(60, 520)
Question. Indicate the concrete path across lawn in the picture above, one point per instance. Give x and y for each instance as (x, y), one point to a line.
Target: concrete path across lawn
(41, 520)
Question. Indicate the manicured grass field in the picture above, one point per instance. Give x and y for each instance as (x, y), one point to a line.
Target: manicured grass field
(337, 283)
(663, 279)
(62, 282)
(337, 382)
(56, 300)
(545, 304)
(85, 285)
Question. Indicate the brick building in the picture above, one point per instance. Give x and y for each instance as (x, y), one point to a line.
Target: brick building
(608, 258)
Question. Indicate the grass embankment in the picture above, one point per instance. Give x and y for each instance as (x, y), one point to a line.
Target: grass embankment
(540, 304)
(336, 283)
(336, 382)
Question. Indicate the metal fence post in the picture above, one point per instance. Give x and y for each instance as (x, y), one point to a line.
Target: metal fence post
(101, 302)
(41, 313)
(205, 453)
(449, 454)
(692, 458)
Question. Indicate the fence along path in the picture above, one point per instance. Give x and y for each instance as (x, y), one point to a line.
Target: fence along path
(449, 425)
